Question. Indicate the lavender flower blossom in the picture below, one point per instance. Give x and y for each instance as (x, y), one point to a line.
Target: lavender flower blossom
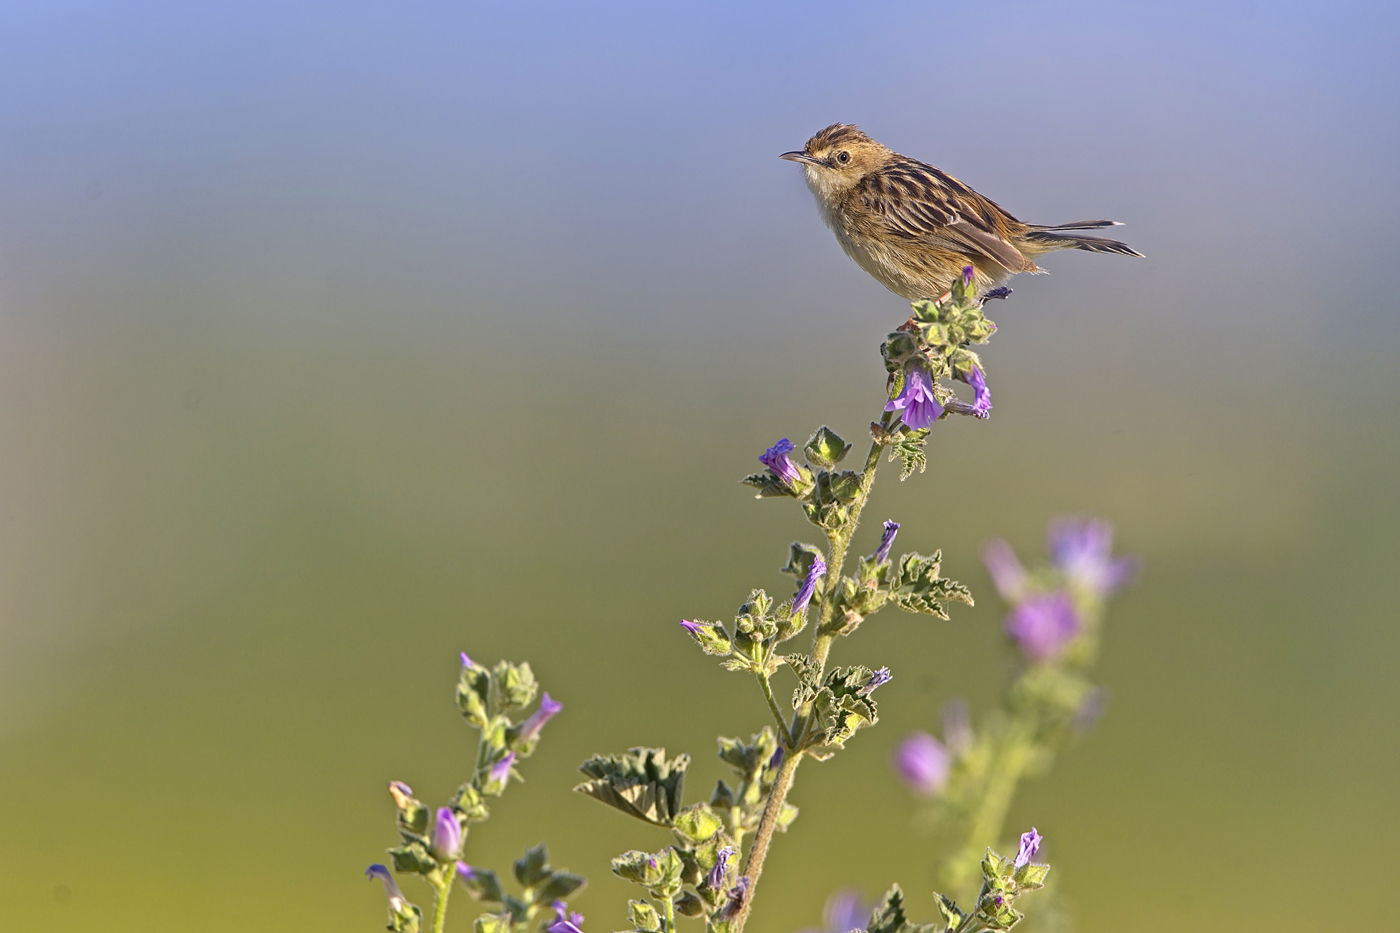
(845, 912)
(467, 662)
(809, 585)
(447, 835)
(466, 872)
(549, 708)
(715, 879)
(922, 763)
(776, 459)
(397, 902)
(737, 896)
(565, 922)
(1030, 844)
(967, 275)
(882, 553)
(877, 679)
(693, 628)
(917, 405)
(775, 761)
(402, 794)
(1043, 624)
(500, 771)
(1081, 549)
(982, 398)
(1007, 573)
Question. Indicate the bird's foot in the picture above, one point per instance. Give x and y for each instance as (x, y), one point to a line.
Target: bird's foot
(1001, 291)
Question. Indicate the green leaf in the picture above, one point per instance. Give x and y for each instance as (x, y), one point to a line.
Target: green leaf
(996, 869)
(533, 867)
(473, 693)
(483, 885)
(515, 684)
(825, 448)
(952, 917)
(560, 885)
(642, 783)
(910, 451)
(493, 923)
(1031, 876)
(889, 916)
(412, 859)
(690, 905)
(768, 485)
(697, 823)
(917, 587)
(643, 916)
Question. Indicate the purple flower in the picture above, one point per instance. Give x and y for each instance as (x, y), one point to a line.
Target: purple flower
(467, 662)
(549, 708)
(982, 398)
(846, 911)
(397, 902)
(1030, 844)
(882, 553)
(1007, 573)
(877, 679)
(1043, 624)
(736, 898)
(715, 879)
(957, 726)
(693, 628)
(967, 275)
(776, 459)
(776, 760)
(565, 922)
(917, 405)
(809, 585)
(500, 771)
(402, 794)
(922, 763)
(466, 873)
(1081, 549)
(447, 835)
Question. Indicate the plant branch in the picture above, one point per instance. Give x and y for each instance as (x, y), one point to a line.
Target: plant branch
(763, 836)
(440, 903)
(783, 732)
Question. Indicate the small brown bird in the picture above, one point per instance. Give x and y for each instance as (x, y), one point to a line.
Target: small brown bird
(915, 227)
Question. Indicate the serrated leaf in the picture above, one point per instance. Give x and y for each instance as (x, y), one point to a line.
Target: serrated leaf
(910, 451)
(643, 916)
(533, 866)
(642, 783)
(483, 885)
(768, 485)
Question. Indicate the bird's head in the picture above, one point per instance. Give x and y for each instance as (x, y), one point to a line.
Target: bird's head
(838, 157)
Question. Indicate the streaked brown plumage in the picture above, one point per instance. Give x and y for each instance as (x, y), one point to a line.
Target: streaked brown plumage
(914, 227)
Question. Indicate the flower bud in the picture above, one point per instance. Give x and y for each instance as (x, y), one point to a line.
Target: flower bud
(447, 835)
(1030, 844)
(922, 763)
(549, 708)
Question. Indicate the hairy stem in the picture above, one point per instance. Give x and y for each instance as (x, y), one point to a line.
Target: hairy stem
(670, 915)
(440, 904)
(838, 542)
(763, 836)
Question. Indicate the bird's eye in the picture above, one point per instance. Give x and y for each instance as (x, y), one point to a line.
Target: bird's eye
(843, 157)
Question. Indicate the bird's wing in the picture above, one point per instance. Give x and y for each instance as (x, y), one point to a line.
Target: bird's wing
(918, 202)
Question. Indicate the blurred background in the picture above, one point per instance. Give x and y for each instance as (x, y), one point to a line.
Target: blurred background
(340, 338)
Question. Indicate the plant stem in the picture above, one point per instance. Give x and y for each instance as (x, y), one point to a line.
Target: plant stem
(440, 905)
(670, 916)
(783, 732)
(838, 542)
(763, 836)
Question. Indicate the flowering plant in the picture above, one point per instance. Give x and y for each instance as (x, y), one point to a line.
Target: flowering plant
(711, 864)
(1053, 624)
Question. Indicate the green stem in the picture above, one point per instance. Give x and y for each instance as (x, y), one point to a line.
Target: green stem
(670, 916)
(763, 836)
(990, 815)
(838, 542)
(783, 732)
(440, 905)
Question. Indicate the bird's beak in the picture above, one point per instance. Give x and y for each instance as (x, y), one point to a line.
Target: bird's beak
(801, 157)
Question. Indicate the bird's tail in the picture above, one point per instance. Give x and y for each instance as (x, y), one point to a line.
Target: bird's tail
(1079, 225)
(1046, 239)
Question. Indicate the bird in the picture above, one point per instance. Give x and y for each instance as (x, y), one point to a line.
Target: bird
(915, 228)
